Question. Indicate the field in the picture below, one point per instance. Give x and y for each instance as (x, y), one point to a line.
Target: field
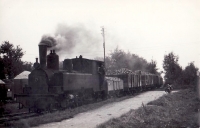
(177, 110)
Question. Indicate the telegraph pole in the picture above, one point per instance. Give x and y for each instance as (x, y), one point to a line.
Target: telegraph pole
(103, 34)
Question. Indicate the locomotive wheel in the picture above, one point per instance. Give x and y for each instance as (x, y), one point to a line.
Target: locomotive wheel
(38, 111)
(78, 101)
(63, 104)
(50, 107)
(43, 104)
(70, 104)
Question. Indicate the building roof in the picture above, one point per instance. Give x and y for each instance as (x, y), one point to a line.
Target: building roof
(1, 82)
(23, 75)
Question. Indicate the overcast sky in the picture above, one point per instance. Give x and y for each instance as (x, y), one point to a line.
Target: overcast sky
(148, 28)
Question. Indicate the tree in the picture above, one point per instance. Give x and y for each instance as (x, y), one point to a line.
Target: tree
(28, 66)
(2, 75)
(11, 60)
(118, 57)
(172, 69)
(151, 67)
(190, 74)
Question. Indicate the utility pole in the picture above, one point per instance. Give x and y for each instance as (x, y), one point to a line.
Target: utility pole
(103, 34)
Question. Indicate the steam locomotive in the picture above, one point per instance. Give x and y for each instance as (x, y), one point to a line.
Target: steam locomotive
(49, 88)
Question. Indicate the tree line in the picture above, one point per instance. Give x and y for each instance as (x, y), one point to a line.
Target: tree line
(174, 73)
(11, 64)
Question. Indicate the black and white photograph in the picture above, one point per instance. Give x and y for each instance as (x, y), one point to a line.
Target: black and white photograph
(99, 63)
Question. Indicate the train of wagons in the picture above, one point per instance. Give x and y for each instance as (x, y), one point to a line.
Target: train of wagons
(81, 79)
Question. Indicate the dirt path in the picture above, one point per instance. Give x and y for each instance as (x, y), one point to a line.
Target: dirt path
(92, 118)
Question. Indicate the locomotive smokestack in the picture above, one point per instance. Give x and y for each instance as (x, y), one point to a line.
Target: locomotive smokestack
(42, 55)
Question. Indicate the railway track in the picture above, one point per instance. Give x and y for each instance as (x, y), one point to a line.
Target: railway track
(17, 116)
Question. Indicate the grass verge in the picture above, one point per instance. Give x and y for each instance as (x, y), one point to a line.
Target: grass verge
(176, 110)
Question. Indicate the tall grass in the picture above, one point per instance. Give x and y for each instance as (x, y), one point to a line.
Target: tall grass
(177, 110)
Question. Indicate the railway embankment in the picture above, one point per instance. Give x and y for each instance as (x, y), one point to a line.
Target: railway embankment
(177, 110)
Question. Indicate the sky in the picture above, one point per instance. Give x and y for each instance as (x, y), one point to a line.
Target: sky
(148, 28)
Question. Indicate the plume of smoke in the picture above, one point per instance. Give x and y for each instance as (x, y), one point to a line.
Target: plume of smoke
(70, 40)
(48, 41)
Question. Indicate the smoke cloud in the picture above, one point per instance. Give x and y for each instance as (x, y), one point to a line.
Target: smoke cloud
(48, 41)
(69, 41)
